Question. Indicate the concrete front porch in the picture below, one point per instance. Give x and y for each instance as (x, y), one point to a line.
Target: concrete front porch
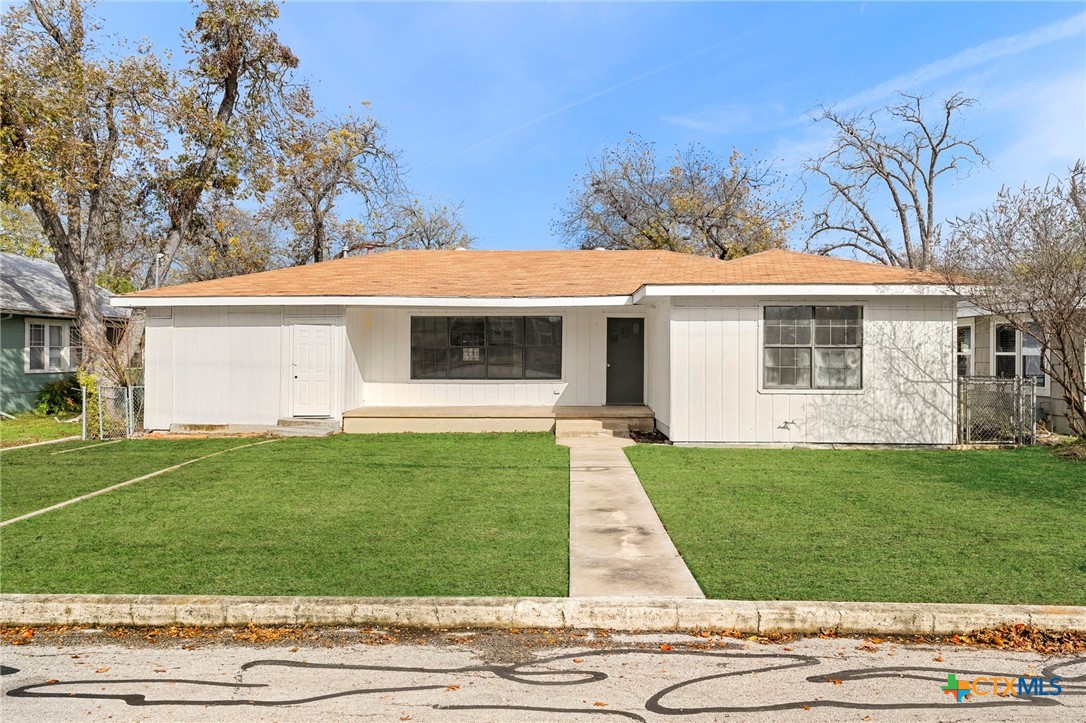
(371, 420)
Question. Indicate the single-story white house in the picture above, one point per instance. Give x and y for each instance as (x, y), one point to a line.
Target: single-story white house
(777, 347)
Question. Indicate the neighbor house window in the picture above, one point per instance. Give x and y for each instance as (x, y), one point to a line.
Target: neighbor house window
(813, 347)
(965, 350)
(486, 347)
(75, 347)
(52, 346)
(1018, 354)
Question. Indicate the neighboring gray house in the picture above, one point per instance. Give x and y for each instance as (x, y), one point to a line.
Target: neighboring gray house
(988, 346)
(39, 341)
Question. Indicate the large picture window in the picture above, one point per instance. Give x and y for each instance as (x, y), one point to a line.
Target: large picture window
(486, 347)
(813, 347)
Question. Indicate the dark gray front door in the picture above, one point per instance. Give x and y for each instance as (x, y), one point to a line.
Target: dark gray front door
(625, 361)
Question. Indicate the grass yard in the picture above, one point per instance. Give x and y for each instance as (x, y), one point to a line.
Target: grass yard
(363, 515)
(993, 526)
(31, 479)
(30, 427)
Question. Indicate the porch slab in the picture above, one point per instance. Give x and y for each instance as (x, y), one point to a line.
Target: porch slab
(495, 418)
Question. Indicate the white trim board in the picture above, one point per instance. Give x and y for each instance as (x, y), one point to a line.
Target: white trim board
(395, 301)
(791, 290)
(651, 290)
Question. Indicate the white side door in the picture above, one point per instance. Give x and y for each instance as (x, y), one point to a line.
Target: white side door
(311, 366)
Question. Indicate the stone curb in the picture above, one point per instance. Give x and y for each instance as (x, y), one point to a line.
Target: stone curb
(651, 614)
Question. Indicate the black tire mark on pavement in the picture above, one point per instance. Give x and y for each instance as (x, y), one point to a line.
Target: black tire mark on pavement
(521, 674)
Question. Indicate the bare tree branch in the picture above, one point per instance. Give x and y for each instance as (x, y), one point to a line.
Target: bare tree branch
(890, 158)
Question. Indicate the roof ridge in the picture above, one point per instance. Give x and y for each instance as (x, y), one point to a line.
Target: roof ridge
(532, 273)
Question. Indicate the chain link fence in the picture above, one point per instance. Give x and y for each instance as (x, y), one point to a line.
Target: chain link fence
(996, 410)
(113, 412)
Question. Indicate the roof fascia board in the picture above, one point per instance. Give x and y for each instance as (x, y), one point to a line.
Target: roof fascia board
(410, 301)
(782, 290)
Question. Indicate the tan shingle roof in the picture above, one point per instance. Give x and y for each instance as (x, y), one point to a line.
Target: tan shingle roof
(496, 274)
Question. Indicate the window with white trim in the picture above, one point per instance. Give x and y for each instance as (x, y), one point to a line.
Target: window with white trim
(812, 347)
(965, 350)
(52, 346)
(75, 347)
(1018, 354)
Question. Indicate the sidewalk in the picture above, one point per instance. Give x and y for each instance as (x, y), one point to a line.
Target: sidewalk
(617, 545)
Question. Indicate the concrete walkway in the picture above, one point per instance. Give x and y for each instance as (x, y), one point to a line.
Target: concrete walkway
(617, 544)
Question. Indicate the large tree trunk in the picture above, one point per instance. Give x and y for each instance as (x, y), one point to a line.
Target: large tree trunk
(78, 261)
(319, 238)
(1072, 380)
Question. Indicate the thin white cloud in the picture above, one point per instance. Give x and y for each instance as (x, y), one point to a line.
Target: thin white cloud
(581, 101)
(730, 118)
(718, 118)
(970, 58)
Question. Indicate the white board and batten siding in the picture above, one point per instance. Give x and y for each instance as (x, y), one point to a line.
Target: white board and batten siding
(379, 373)
(231, 365)
(908, 394)
(703, 367)
(235, 365)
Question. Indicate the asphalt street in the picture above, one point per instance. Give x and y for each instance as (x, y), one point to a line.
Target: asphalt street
(385, 675)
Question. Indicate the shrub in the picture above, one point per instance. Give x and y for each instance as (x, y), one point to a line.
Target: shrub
(60, 396)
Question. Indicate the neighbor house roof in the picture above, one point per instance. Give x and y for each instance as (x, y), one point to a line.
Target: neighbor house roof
(33, 286)
(533, 274)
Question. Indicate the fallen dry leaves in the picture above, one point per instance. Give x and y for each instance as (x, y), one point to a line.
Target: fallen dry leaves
(1025, 637)
(1009, 637)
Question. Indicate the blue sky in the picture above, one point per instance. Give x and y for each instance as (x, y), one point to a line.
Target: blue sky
(499, 105)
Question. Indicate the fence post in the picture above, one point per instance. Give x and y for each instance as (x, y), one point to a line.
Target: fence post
(128, 411)
(101, 430)
(968, 417)
(84, 415)
(1033, 414)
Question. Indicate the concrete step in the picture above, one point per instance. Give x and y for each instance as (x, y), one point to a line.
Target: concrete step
(307, 422)
(569, 428)
(303, 431)
(302, 427)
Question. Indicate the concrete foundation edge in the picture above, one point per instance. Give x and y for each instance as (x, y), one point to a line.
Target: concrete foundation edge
(661, 614)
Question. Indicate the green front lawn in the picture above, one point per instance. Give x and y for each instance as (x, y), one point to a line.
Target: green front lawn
(31, 479)
(30, 427)
(998, 526)
(471, 514)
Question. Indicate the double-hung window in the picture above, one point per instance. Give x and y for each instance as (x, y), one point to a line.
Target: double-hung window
(965, 350)
(1018, 354)
(52, 346)
(486, 347)
(813, 347)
